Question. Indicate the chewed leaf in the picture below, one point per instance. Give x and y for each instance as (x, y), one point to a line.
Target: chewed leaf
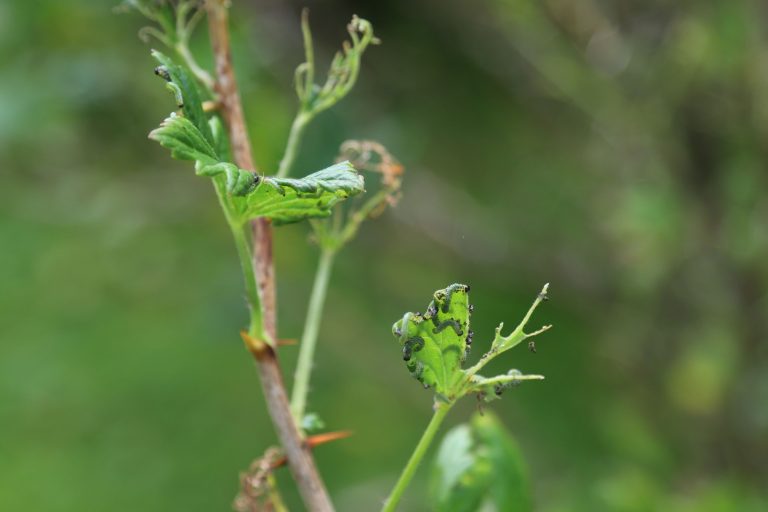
(435, 343)
(492, 388)
(503, 343)
(291, 200)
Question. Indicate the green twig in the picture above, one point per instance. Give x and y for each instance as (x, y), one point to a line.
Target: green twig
(309, 337)
(294, 140)
(441, 409)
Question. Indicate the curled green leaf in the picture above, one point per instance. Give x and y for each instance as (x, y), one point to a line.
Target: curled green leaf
(287, 200)
(186, 93)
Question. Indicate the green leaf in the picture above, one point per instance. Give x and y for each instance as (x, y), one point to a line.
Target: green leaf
(191, 137)
(287, 200)
(188, 96)
(282, 200)
(187, 143)
(435, 343)
(460, 479)
(509, 487)
(479, 466)
(184, 140)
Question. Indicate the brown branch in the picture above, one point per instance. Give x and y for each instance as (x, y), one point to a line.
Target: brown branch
(299, 456)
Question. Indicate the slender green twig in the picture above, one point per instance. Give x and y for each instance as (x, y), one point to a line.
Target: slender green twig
(309, 337)
(294, 141)
(441, 409)
(309, 55)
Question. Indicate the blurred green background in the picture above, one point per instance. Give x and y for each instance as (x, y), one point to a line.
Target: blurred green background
(614, 149)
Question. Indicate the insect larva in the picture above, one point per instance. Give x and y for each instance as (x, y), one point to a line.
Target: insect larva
(449, 323)
(412, 345)
(449, 293)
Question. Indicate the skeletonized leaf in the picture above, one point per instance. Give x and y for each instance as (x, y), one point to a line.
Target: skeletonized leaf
(490, 389)
(435, 343)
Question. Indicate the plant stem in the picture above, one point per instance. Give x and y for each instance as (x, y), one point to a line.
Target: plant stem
(309, 337)
(294, 140)
(297, 452)
(441, 409)
(243, 243)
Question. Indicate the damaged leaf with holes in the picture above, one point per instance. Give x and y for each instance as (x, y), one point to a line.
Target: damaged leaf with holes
(436, 343)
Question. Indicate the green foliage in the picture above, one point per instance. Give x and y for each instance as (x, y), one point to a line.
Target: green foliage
(343, 72)
(437, 342)
(188, 96)
(284, 200)
(479, 466)
(291, 200)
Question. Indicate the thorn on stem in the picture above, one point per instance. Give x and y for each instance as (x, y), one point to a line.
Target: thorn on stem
(211, 106)
(255, 346)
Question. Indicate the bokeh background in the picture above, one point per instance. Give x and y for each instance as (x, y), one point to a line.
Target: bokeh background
(614, 149)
